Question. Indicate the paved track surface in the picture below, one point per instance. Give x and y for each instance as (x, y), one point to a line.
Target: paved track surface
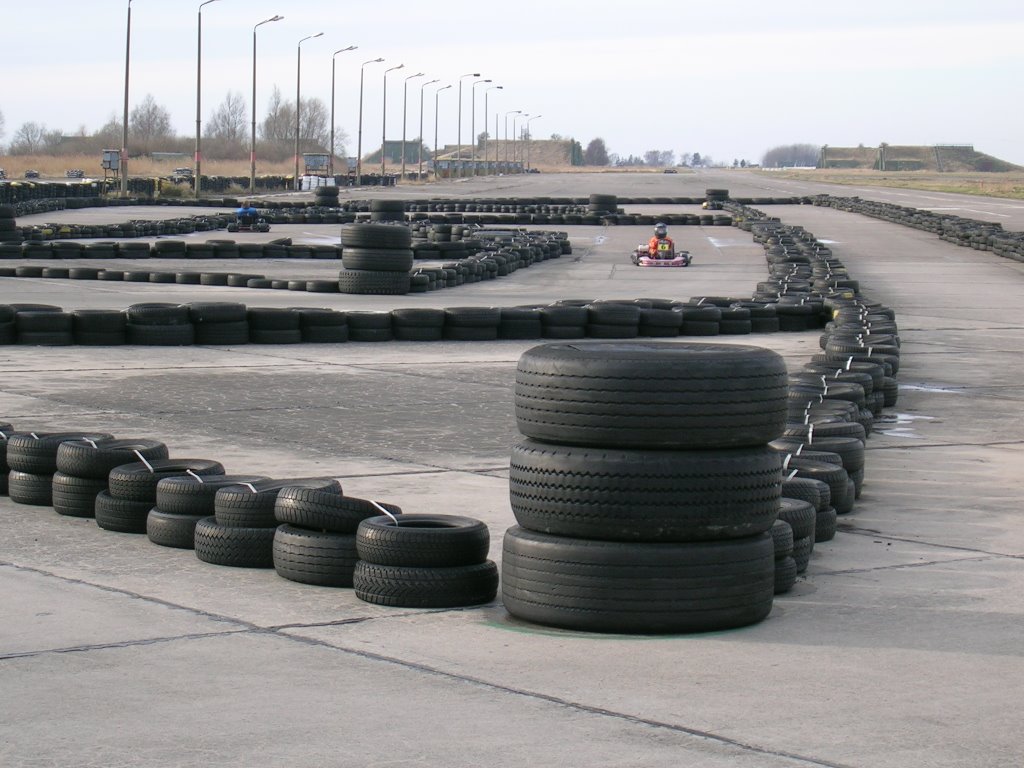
(900, 647)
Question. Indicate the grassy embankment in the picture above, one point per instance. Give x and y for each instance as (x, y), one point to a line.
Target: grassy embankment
(1009, 184)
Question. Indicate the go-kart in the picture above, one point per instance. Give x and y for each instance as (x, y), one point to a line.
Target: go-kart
(248, 220)
(665, 256)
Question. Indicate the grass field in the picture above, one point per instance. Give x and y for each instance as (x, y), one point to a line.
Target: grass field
(1008, 185)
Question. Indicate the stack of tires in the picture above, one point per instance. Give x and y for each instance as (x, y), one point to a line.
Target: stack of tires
(646, 488)
(424, 561)
(219, 322)
(387, 210)
(131, 492)
(160, 324)
(9, 232)
(326, 196)
(716, 195)
(274, 325)
(43, 325)
(315, 541)
(182, 501)
(83, 467)
(241, 531)
(32, 458)
(602, 204)
(376, 259)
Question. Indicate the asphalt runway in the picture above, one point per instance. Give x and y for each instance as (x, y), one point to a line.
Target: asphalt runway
(900, 646)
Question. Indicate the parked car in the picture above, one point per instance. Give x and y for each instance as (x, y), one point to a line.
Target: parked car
(3, 173)
(74, 173)
(30, 174)
(670, 170)
(181, 175)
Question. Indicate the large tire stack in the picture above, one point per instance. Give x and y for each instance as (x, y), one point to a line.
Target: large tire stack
(646, 490)
(326, 196)
(83, 467)
(424, 561)
(9, 232)
(387, 210)
(160, 324)
(601, 205)
(315, 542)
(376, 259)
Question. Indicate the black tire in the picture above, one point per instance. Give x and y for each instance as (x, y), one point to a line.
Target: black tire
(170, 529)
(29, 488)
(423, 541)
(201, 313)
(375, 236)
(802, 552)
(782, 539)
(785, 575)
(38, 455)
(236, 547)
(223, 334)
(825, 525)
(800, 516)
(651, 395)
(97, 458)
(638, 588)
(189, 495)
(373, 282)
(405, 587)
(315, 557)
(158, 314)
(161, 335)
(317, 510)
(76, 496)
(120, 515)
(832, 475)
(380, 259)
(636, 495)
(240, 506)
(806, 489)
(137, 482)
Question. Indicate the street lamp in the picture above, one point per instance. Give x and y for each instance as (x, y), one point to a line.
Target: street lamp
(472, 123)
(124, 126)
(486, 114)
(384, 122)
(437, 94)
(529, 138)
(334, 56)
(405, 97)
(199, 86)
(458, 146)
(359, 147)
(419, 148)
(524, 114)
(298, 102)
(512, 112)
(252, 143)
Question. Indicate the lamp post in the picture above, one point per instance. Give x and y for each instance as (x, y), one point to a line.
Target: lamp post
(524, 114)
(512, 112)
(405, 102)
(252, 143)
(458, 146)
(124, 125)
(486, 113)
(199, 89)
(529, 139)
(419, 147)
(384, 122)
(472, 123)
(298, 101)
(437, 94)
(359, 147)
(334, 56)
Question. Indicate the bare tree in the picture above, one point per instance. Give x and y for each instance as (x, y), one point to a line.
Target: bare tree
(228, 120)
(149, 121)
(32, 138)
(110, 133)
(596, 153)
(279, 124)
(659, 157)
(2, 124)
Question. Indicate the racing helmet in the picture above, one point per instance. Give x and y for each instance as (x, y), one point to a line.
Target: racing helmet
(660, 230)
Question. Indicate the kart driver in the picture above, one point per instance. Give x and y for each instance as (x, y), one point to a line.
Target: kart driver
(661, 236)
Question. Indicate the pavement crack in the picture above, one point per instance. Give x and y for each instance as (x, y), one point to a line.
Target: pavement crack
(120, 644)
(901, 566)
(983, 554)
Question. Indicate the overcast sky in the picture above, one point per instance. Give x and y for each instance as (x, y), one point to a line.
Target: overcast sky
(726, 79)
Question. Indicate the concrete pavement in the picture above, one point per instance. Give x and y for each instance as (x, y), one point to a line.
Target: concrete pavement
(900, 646)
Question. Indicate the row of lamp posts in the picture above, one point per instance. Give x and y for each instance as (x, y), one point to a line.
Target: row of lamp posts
(298, 102)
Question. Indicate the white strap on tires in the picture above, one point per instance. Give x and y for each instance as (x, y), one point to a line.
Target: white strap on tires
(384, 511)
(197, 477)
(90, 442)
(34, 435)
(792, 474)
(143, 460)
(785, 461)
(810, 433)
(250, 486)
